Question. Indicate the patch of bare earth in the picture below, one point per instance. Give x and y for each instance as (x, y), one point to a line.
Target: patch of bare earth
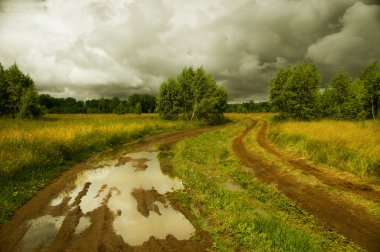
(344, 217)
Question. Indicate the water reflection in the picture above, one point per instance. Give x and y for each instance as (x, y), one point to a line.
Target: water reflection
(113, 186)
(41, 231)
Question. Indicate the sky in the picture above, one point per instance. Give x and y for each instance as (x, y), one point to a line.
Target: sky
(104, 48)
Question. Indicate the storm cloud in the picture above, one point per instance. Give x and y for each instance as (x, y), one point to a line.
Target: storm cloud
(104, 48)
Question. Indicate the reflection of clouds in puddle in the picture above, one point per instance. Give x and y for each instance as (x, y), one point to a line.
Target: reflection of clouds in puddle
(78, 183)
(120, 182)
(42, 230)
(84, 223)
(136, 229)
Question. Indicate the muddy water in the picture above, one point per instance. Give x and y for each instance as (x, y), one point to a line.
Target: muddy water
(132, 187)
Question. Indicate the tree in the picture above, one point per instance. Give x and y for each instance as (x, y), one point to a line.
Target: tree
(277, 89)
(13, 85)
(301, 92)
(370, 78)
(30, 107)
(294, 92)
(120, 108)
(17, 83)
(147, 102)
(192, 95)
(343, 98)
(4, 93)
(241, 109)
(137, 109)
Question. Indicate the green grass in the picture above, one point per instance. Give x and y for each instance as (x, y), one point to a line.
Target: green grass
(255, 218)
(32, 153)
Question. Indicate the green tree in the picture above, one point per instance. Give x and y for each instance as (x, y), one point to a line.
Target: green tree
(277, 89)
(241, 109)
(13, 84)
(120, 108)
(4, 93)
(294, 91)
(30, 106)
(17, 84)
(370, 78)
(192, 95)
(301, 92)
(137, 109)
(343, 98)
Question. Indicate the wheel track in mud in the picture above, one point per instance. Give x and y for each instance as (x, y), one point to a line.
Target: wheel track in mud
(342, 216)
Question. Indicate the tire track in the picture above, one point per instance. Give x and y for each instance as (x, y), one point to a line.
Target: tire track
(343, 217)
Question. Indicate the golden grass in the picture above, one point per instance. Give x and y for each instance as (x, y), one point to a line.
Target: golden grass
(242, 116)
(351, 146)
(25, 144)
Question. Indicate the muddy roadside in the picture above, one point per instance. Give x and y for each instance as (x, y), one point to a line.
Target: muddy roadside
(343, 217)
(58, 213)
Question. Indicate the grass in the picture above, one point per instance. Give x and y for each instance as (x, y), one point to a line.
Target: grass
(257, 217)
(348, 146)
(32, 153)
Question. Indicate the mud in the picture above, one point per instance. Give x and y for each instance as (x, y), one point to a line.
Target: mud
(344, 217)
(146, 201)
(115, 201)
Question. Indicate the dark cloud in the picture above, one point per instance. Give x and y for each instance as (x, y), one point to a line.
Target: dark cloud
(355, 44)
(95, 48)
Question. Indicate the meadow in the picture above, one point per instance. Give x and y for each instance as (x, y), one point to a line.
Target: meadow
(33, 152)
(343, 145)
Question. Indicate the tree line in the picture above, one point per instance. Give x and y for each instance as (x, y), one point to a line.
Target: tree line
(249, 107)
(136, 103)
(295, 92)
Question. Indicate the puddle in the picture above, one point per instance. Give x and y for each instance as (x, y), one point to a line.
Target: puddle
(41, 231)
(113, 186)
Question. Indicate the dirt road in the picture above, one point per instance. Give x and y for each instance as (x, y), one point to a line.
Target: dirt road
(342, 216)
(118, 200)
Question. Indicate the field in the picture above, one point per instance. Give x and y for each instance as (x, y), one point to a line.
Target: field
(251, 185)
(34, 152)
(344, 145)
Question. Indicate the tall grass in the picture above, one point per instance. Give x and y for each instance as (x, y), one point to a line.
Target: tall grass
(34, 152)
(348, 146)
